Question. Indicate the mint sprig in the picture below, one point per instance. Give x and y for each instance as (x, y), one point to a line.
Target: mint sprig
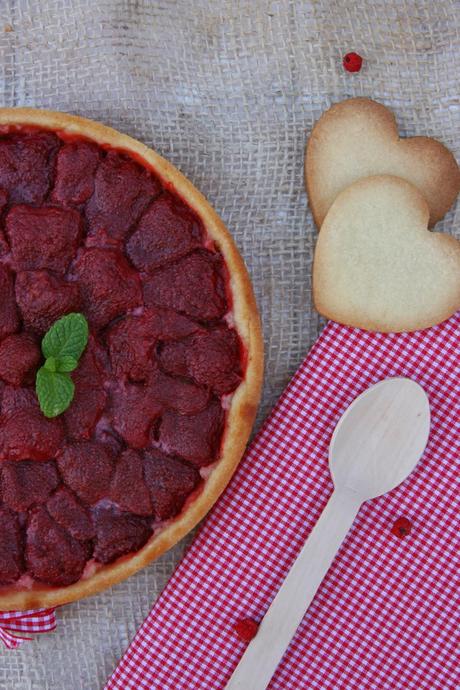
(62, 347)
(66, 337)
(55, 391)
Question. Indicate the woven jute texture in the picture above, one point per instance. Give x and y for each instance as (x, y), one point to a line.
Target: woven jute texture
(228, 91)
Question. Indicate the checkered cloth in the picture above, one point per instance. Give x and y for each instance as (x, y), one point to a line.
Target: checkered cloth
(386, 615)
(13, 625)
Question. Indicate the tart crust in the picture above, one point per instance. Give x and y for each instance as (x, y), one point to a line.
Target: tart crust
(244, 401)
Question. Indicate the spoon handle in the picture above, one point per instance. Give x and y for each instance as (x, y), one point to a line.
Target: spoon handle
(287, 609)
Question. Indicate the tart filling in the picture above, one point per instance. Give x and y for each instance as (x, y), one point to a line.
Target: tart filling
(88, 228)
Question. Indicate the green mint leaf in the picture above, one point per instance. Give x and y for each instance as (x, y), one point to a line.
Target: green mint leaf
(66, 337)
(51, 364)
(65, 363)
(62, 347)
(55, 391)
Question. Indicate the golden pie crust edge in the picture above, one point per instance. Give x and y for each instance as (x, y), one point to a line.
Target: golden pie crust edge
(245, 400)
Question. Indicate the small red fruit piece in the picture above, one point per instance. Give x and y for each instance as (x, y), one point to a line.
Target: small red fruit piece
(352, 62)
(246, 629)
(402, 527)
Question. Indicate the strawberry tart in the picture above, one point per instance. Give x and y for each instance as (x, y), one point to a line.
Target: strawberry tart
(165, 393)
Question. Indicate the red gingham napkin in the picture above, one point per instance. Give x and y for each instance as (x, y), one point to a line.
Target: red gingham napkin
(386, 615)
(14, 623)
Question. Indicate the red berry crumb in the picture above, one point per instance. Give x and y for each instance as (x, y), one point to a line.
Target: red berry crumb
(246, 629)
(352, 62)
(402, 527)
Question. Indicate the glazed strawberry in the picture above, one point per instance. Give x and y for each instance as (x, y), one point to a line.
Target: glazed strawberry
(19, 358)
(108, 285)
(11, 547)
(193, 437)
(26, 165)
(177, 394)
(52, 554)
(43, 298)
(210, 357)
(129, 490)
(122, 192)
(136, 407)
(193, 285)
(89, 398)
(170, 480)
(42, 238)
(16, 398)
(76, 165)
(213, 359)
(26, 434)
(118, 533)
(169, 325)
(26, 482)
(134, 411)
(9, 319)
(168, 230)
(69, 513)
(87, 468)
(131, 342)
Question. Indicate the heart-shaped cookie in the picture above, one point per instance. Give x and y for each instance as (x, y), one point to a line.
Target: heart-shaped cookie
(359, 138)
(378, 267)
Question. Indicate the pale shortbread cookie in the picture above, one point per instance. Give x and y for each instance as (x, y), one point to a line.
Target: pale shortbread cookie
(378, 267)
(359, 138)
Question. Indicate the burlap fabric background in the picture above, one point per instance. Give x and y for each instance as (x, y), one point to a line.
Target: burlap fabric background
(227, 90)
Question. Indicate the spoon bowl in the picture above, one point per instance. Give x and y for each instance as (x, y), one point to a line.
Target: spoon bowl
(380, 438)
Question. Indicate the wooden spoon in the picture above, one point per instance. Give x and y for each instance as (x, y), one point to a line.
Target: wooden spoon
(376, 444)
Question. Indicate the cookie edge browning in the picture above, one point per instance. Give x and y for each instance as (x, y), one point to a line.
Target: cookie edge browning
(386, 120)
(245, 400)
(421, 215)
